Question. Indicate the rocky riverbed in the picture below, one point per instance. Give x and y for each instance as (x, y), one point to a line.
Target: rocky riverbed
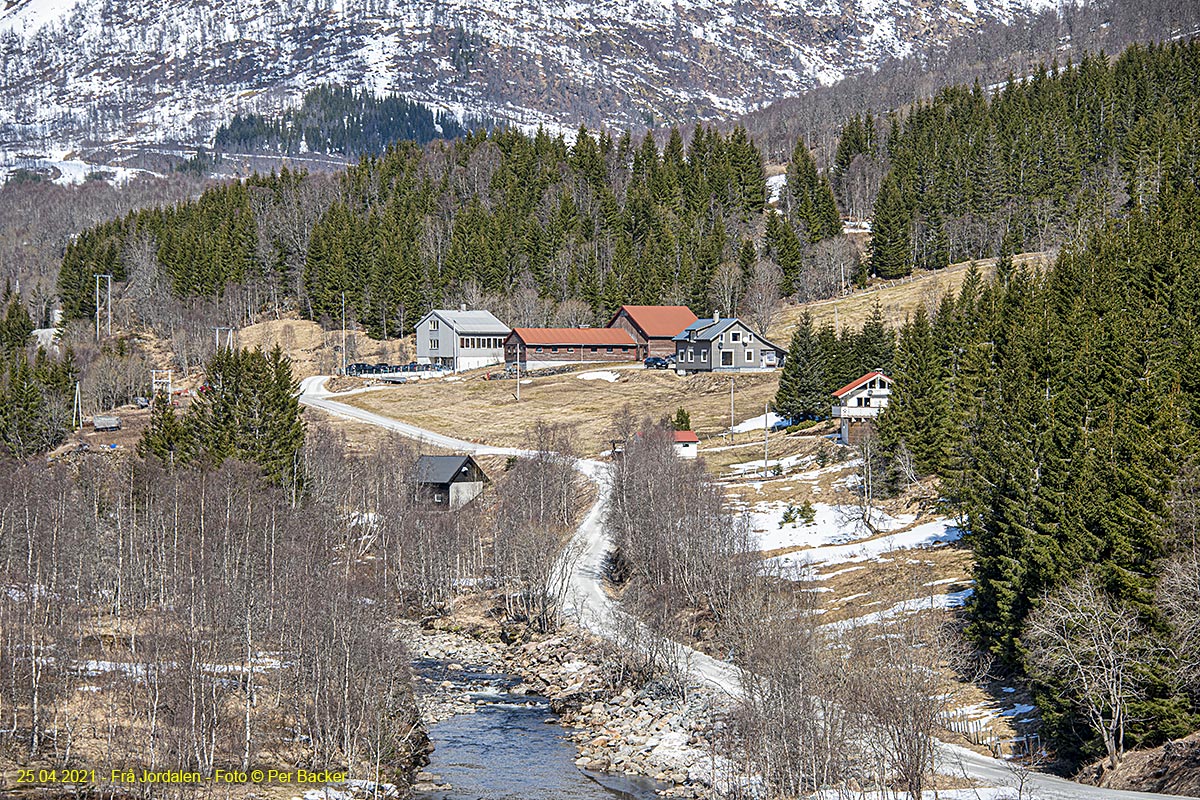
(657, 731)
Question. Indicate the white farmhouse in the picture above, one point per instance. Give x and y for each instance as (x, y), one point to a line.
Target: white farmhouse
(460, 340)
(859, 403)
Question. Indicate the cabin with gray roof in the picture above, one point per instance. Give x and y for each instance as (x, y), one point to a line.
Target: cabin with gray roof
(460, 340)
(716, 344)
(449, 481)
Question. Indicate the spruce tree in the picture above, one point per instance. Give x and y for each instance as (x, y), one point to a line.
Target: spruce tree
(167, 437)
(891, 233)
(917, 417)
(803, 386)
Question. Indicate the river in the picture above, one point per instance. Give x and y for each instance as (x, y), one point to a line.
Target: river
(511, 748)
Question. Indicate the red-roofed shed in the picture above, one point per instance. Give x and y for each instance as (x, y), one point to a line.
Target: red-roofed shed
(686, 444)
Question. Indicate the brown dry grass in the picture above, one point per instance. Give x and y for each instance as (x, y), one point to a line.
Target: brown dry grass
(313, 351)
(487, 411)
(898, 299)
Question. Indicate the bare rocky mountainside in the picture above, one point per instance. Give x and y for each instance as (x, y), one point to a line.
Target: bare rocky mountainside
(97, 71)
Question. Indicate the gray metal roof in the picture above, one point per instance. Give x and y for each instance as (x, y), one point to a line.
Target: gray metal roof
(706, 329)
(440, 469)
(471, 321)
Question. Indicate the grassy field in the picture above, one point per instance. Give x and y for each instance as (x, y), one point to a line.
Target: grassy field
(898, 299)
(488, 411)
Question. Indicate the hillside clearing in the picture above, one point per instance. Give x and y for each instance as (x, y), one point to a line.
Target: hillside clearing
(898, 299)
(488, 411)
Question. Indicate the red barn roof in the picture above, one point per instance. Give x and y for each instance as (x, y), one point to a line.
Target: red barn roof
(682, 437)
(658, 322)
(850, 387)
(574, 337)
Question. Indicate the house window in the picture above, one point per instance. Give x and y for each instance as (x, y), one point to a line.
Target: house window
(553, 349)
(433, 324)
(624, 349)
(608, 350)
(734, 336)
(439, 498)
(462, 342)
(538, 350)
(595, 349)
(749, 356)
(727, 358)
(433, 344)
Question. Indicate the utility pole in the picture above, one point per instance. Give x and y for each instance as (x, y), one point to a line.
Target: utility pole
(731, 431)
(160, 381)
(518, 365)
(343, 333)
(77, 409)
(228, 336)
(766, 428)
(108, 290)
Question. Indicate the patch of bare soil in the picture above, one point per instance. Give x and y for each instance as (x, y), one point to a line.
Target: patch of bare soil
(1173, 768)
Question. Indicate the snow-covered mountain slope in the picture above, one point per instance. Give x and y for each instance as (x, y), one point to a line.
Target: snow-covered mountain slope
(115, 70)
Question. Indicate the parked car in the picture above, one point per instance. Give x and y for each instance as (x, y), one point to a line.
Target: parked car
(656, 362)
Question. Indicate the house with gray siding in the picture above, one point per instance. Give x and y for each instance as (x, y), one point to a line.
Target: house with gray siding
(460, 340)
(449, 481)
(716, 344)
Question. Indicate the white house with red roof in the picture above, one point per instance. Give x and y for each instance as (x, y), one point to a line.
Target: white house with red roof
(859, 403)
(687, 444)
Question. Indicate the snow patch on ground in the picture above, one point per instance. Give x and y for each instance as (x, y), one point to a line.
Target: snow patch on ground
(773, 420)
(928, 535)
(775, 185)
(71, 171)
(602, 375)
(831, 525)
(937, 601)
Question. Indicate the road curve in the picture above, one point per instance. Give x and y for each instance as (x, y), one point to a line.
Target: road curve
(595, 611)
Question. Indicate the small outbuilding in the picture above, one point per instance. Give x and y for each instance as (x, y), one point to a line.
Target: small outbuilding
(449, 481)
(687, 444)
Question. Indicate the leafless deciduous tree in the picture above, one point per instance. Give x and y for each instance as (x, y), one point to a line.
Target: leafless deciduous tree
(538, 501)
(673, 527)
(761, 301)
(727, 286)
(1179, 593)
(1091, 645)
(828, 270)
(194, 619)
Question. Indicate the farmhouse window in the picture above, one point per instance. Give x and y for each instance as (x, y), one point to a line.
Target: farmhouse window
(433, 344)
(749, 356)
(734, 336)
(433, 324)
(727, 358)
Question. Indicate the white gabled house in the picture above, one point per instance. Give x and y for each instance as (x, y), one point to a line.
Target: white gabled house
(859, 403)
(460, 340)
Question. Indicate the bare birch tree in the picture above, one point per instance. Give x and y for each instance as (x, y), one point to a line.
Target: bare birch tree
(1091, 646)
